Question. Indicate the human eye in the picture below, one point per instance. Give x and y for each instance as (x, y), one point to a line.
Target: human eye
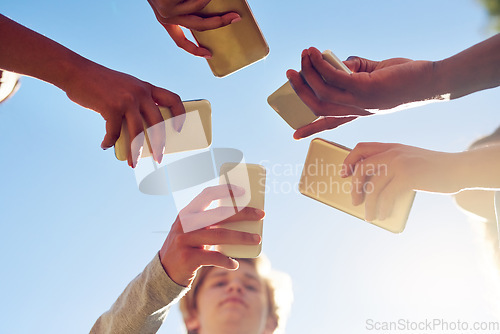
(219, 283)
(252, 287)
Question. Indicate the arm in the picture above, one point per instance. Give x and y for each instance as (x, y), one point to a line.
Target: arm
(380, 172)
(172, 14)
(118, 97)
(395, 83)
(144, 304)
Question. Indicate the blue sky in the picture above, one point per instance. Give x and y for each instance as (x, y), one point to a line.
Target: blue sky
(76, 230)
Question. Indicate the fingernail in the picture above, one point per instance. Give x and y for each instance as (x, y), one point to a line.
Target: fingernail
(238, 19)
(235, 263)
(369, 217)
(343, 172)
(178, 123)
(351, 57)
(237, 191)
(256, 238)
(207, 57)
(257, 211)
(304, 53)
(158, 158)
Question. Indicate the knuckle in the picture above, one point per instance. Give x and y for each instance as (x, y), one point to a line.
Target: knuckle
(322, 93)
(220, 233)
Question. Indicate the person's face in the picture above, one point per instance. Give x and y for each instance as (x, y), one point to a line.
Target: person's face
(233, 302)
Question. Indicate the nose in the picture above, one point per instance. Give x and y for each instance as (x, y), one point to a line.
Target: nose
(235, 285)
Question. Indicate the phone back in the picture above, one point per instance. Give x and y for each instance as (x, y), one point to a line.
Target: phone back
(196, 132)
(321, 181)
(252, 178)
(236, 45)
(289, 105)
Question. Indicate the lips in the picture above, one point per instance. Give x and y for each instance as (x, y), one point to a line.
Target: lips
(234, 300)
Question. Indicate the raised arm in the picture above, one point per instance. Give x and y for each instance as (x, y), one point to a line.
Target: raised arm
(393, 84)
(117, 96)
(174, 14)
(142, 307)
(381, 172)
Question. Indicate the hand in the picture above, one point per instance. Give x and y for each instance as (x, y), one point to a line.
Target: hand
(183, 253)
(333, 114)
(172, 14)
(381, 172)
(119, 97)
(373, 85)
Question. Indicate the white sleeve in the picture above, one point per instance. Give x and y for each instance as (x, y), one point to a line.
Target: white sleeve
(143, 305)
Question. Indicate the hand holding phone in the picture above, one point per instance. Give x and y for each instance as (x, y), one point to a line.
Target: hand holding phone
(290, 107)
(195, 133)
(323, 181)
(251, 178)
(236, 45)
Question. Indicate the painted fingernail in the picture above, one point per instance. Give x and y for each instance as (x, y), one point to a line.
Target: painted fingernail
(351, 57)
(158, 158)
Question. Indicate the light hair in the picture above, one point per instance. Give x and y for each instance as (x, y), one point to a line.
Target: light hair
(277, 285)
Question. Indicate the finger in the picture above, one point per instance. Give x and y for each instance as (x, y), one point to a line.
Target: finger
(217, 259)
(321, 108)
(135, 126)
(363, 151)
(113, 129)
(325, 91)
(199, 23)
(155, 129)
(223, 214)
(387, 199)
(324, 68)
(303, 91)
(219, 236)
(372, 190)
(181, 41)
(173, 102)
(210, 194)
(338, 80)
(358, 181)
(358, 64)
(188, 7)
(322, 124)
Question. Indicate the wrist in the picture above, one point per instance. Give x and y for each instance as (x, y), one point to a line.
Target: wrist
(440, 81)
(74, 69)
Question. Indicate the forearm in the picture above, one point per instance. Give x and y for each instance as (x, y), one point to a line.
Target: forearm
(471, 70)
(479, 168)
(143, 305)
(27, 52)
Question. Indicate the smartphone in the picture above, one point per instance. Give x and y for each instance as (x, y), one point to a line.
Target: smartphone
(321, 181)
(289, 105)
(236, 45)
(195, 134)
(252, 178)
